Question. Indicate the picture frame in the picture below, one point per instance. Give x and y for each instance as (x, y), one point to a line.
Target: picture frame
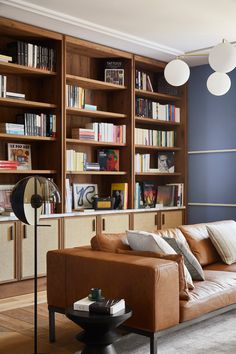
(83, 195)
(115, 76)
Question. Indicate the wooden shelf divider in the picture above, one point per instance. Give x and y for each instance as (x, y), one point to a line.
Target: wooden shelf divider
(93, 84)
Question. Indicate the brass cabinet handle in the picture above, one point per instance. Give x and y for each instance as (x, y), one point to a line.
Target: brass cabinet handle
(156, 216)
(94, 225)
(163, 219)
(11, 238)
(103, 225)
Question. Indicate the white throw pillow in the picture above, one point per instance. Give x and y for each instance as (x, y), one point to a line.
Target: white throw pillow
(147, 241)
(223, 237)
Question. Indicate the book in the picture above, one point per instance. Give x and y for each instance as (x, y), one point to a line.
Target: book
(5, 193)
(83, 195)
(166, 162)
(20, 153)
(149, 191)
(108, 159)
(119, 191)
(5, 58)
(114, 72)
(106, 306)
(166, 195)
(90, 107)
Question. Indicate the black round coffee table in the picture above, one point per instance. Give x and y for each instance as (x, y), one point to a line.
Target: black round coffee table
(99, 330)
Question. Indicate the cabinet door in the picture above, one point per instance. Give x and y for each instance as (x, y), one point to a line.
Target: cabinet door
(7, 251)
(48, 239)
(145, 221)
(171, 218)
(78, 231)
(115, 223)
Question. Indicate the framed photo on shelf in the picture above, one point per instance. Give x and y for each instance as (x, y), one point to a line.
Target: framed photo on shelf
(115, 76)
(20, 153)
(166, 162)
(83, 195)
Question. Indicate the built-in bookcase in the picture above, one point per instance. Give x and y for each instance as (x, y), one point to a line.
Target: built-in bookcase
(148, 71)
(85, 67)
(43, 94)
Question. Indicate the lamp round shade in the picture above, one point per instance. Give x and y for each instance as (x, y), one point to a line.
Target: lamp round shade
(222, 58)
(218, 83)
(21, 200)
(176, 72)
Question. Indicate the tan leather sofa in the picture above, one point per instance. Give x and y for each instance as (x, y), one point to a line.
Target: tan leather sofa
(149, 285)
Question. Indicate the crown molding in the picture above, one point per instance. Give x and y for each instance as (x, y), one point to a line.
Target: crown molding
(84, 29)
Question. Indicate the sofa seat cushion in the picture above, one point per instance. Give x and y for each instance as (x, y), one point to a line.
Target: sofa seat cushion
(221, 266)
(217, 291)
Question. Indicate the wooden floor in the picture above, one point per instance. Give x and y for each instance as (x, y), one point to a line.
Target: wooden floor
(17, 328)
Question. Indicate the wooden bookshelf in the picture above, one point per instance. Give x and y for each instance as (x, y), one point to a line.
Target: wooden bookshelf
(160, 174)
(161, 148)
(93, 84)
(94, 114)
(101, 173)
(95, 143)
(142, 120)
(43, 92)
(156, 95)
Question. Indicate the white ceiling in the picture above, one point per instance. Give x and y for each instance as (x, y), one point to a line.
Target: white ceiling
(160, 29)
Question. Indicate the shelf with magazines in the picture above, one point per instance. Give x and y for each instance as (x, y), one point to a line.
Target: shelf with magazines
(30, 103)
(159, 137)
(97, 120)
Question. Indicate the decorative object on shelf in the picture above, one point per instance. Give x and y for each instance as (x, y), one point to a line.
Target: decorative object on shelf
(166, 162)
(222, 59)
(103, 203)
(27, 199)
(22, 154)
(84, 195)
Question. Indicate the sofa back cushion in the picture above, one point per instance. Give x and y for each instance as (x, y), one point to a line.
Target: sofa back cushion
(178, 258)
(223, 236)
(200, 243)
(109, 242)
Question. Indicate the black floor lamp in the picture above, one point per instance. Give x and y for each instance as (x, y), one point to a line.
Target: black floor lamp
(29, 198)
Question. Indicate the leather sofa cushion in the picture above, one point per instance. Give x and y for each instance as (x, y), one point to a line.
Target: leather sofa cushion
(173, 233)
(178, 258)
(109, 242)
(218, 290)
(200, 244)
(221, 266)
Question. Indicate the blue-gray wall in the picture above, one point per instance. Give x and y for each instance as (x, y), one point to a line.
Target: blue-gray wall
(212, 126)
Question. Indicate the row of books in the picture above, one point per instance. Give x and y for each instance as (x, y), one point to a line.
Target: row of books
(12, 128)
(38, 124)
(107, 160)
(148, 195)
(143, 81)
(32, 55)
(8, 94)
(162, 138)
(147, 108)
(75, 96)
(165, 163)
(106, 132)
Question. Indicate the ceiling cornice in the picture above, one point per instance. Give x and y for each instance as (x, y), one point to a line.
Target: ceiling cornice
(86, 29)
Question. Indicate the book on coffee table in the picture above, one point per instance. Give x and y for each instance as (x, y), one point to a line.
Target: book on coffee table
(106, 306)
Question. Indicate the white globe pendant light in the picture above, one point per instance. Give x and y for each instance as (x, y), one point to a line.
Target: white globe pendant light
(222, 58)
(218, 83)
(176, 72)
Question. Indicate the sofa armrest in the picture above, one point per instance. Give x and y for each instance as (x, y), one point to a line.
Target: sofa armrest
(149, 285)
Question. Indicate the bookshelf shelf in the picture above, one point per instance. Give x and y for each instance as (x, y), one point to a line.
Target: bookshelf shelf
(161, 148)
(156, 95)
(105, 173)
(143, 120)
(93, 84)
(94, 114)
(24, 103)
(95, 143)
(157, 174)
(11, 68)
(25, 137)
(29, 172)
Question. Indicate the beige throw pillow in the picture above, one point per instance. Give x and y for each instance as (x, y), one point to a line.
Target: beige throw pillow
(223, 237)
(147, 241)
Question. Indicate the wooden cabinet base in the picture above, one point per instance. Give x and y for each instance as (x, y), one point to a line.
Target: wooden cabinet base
(21, 287)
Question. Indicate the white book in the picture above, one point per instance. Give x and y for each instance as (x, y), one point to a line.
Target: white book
(83, 304)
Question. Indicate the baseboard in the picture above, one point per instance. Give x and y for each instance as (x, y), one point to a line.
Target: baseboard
(21, 287)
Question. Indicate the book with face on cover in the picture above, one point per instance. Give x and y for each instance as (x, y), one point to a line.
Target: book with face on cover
(20, 153)
(119, 191)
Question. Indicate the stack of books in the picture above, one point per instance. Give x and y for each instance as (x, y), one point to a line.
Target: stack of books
(105, 307)
(15, 95)
(75, 161)
(92, 166)
(150, 109)
(12, 128)
(8, 165)
(5, 58)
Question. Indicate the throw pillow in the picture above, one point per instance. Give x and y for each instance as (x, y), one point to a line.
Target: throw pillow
(190, 260)
(109, 242)
(223, 236)
(146, 241)
(178, 258)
